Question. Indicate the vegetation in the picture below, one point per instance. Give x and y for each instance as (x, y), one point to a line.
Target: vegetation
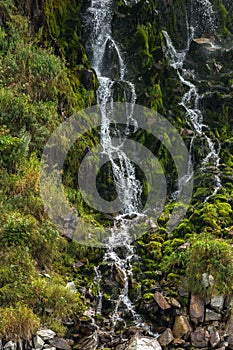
(42, 60)
(18, 323)
(211, 257)
(37, 92)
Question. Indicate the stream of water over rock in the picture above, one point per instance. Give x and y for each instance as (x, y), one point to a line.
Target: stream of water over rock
(102, 49)
(201, 22)
(108, 62)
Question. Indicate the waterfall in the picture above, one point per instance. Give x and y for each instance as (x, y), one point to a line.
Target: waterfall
(104, 53)
(98, 21)
(202, 20)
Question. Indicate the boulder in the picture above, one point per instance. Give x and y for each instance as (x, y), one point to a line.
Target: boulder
(175, 303)
(181, 327)
(59, 343)
(229, 331)
(46, 334)
(71, 286)
(217, 302)
(20, 344)
(214, 338)
(10, 345)
(197, 309)
(166, 337)
(210, 315)
(200, 338)
(88, 343)
(38, 342)
(161, 301)
(207, 280)
(139, 342)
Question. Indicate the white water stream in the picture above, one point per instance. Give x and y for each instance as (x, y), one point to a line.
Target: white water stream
(201, 18)
(108, 62)
(101, 43)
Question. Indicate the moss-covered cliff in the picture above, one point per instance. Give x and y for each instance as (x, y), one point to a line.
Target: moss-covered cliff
(45, 76)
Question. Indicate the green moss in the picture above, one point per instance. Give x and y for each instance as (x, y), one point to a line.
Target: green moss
(147, 296)
(148, 284)
(224, 19)
(154, 250)
(173, 278)
(62, 25)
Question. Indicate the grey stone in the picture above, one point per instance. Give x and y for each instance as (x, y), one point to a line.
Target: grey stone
(214, 338)
(152, 224)
(166, 337)
(200, 338)
(46, 334)
(210, 315)
(143, 343)
(88, 343)
(38, 342)
(59, 343)
(229, 331)
(10, 345)
(71, 286)
(207, 280)
(217, 302)
(20, 345)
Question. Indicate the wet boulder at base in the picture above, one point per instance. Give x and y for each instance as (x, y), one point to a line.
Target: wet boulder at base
(139, 342)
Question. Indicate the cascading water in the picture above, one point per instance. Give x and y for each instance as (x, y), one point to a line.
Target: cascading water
(108, 62)
(99, 19)
(202, 20)
(101, 45)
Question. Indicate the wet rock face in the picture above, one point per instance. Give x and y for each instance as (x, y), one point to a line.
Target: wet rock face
(87, 79)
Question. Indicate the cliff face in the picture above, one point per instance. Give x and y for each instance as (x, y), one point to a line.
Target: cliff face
(45, 77)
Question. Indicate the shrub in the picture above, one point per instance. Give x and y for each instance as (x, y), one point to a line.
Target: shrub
(55, 296)
(214, 257)
(56, 325)
(18, 322)
(17, 229)
(16, 272)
